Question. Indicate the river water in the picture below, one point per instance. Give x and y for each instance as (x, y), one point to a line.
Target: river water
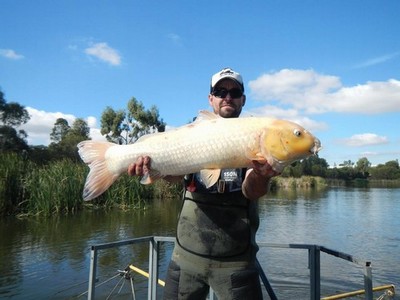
(49, 258)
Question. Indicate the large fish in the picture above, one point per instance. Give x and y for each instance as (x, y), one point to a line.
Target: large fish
(209, 144)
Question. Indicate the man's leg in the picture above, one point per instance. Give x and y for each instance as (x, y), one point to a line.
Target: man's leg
(184, 284)
(236, 284)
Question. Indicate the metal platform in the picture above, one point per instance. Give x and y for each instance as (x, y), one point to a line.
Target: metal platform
(314, 265)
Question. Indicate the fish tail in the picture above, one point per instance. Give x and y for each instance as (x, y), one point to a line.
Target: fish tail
(99, 178)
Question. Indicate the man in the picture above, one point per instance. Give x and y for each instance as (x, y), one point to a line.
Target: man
(217, 225)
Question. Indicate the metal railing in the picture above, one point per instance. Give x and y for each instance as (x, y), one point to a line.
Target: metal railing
(314, 252)
(314, 264)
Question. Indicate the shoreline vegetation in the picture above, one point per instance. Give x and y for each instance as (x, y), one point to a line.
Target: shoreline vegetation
(30, 189)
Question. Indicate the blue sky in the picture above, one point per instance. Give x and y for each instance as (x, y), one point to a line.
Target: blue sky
(331, 66)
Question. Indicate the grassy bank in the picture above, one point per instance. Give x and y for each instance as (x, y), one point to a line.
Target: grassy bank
(304, 182)
(56, 188)
(365, 183)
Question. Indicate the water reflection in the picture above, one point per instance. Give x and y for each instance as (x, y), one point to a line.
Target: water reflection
(356, 221)
(54, 253)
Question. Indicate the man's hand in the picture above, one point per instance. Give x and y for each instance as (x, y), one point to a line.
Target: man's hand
(263, 169)
(140, 167)
(255, 184)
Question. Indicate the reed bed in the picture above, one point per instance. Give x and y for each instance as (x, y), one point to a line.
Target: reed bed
(56, 188)
(302, 182)
(12, 172)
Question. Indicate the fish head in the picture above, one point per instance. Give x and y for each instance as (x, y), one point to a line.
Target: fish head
(287, 142)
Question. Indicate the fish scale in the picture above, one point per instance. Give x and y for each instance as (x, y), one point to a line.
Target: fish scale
(210, 143)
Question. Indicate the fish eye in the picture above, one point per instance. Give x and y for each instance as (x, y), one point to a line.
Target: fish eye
(297, 132)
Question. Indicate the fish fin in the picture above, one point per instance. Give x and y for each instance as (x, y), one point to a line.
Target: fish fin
(255, 152)
(258, 156)
(150, 177)
(99, 178)
(210, 176)
(206, 115)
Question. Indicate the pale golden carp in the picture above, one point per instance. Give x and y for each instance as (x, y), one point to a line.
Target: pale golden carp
(209, 144)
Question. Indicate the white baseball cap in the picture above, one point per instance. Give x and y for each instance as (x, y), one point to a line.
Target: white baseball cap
(226, 73)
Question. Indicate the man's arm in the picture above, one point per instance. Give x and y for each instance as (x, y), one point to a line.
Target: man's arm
(256, 181)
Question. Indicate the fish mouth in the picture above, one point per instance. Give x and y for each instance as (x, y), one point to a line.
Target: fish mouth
(316, 147)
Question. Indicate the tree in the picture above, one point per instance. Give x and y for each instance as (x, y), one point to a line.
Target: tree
(80, 129)
(312, 166)
(393, 164)
(12, 115)
(347, 163)
(362, 166)
(12, 140)
(389, 170)
(59, 130)
(112, 124)
(65, 138)
(125, 127)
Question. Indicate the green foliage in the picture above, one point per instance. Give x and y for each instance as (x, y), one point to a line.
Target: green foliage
(13, 168)
(12, 140)
(125, 127)
(59, 130)
(362, 167)
(312, 166)
(347, 171)
(65, 138)
(12, 115)
(27, 188)
(389, 170)
(55, 188)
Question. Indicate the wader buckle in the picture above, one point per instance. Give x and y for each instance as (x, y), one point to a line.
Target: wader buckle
(221, 186)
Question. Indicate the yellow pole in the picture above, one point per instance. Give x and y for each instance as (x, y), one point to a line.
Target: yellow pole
(359, 292)
(145, 274)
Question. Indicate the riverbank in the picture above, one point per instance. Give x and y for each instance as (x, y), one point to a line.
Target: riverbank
(314, 182)
(301, 182)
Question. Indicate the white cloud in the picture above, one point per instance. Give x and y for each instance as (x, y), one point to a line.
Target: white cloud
(365, 139)
(377, 60)
(10, 54)
(105, 53)
(41, 124)
(287, 114)
(175, 38)
(370, 98)
(310, 92)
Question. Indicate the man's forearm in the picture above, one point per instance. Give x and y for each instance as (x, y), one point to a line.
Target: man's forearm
(255, 185)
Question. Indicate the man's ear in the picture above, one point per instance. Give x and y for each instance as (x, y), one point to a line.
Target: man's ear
(210, 99)
(244, 100)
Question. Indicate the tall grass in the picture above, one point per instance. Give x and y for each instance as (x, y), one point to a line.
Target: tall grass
(13, 168)
(302, 182)
(126, 193)
(56, 188)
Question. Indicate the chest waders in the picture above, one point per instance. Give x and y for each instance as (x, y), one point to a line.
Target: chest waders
(215, 242)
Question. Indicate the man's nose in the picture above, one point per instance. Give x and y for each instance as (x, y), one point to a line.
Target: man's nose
(228, 97)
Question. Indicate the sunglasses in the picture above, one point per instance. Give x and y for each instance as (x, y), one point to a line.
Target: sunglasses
(222, 93)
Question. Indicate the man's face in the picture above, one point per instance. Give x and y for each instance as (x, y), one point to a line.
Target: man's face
(227, 107)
